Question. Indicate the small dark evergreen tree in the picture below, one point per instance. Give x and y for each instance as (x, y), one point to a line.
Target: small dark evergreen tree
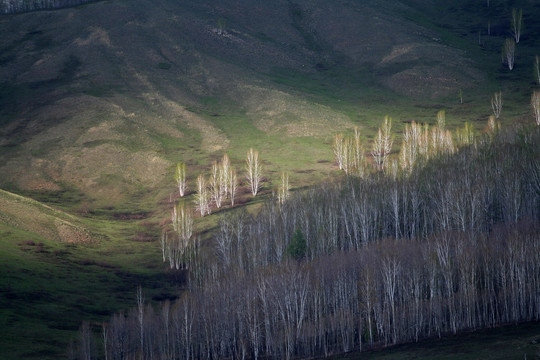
(297, 248)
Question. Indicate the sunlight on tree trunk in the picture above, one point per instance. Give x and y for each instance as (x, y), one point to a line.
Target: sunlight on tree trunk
(508, 53)
(216, 190)
(493, 126)
(465, 136)
(338, 150)
(177, 246)
(180, 177)
(283, 189)
(496, 104)
(535, 103)
(202, 197)
(254, 171)
(537, 68)
(233, 185)
(516, 22)
(382, 145)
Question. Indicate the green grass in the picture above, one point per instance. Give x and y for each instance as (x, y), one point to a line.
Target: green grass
(47, 288)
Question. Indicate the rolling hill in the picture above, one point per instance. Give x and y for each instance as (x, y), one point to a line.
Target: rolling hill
(104, 98)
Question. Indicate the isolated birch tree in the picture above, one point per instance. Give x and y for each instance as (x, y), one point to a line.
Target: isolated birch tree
(180, 177)
(496, 104)
(509, 52)
(516, 23)
(254, 171)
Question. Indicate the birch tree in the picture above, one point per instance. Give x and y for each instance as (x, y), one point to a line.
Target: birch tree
(358, 158)
(535, 104)
(233, 185)
(180, 177)
(509, 52)
(338, 150)
(537, 68)
(140, 320)
(225, 175)
(382, 145)
(182, 222)
(283, 189)
(496, 104)
(516, 22)
(216, 188)
(254, 171)
(202, 197)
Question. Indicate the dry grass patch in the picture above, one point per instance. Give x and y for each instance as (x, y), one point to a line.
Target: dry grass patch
(37, 218)
(277, 112)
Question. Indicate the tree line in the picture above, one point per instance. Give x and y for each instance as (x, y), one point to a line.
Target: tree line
(15, 6)
(392, 257)
(389, 292)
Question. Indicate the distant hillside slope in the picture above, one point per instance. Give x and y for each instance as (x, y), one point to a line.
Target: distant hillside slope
(104, 98)
(39, 219)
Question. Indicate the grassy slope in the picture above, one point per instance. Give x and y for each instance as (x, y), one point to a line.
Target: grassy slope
(47, 286)
(98, 102)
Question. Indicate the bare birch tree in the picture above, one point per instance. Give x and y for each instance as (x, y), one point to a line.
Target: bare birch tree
(349, 154)
(493, 126)
(535, 103)
(180, 177)
(441, 119)
(233, 185)
(140, 319)
(338, 150)
(465, 136)
(358, 158)
(202, 197)
(516, 23)
(216, 190)
(537, 68)
(254, 171)
(224, 175)
(283, 189)
(382, 144)
(496, 104)
(182, 222)
(509, 52)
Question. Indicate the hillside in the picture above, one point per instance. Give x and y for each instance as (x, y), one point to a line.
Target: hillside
(103, 99)
(99, 102)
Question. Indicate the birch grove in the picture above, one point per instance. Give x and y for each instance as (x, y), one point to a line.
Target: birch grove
(450, 245)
